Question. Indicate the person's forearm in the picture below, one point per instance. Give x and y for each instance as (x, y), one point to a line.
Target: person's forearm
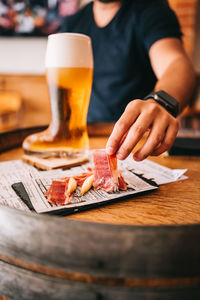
(175, 75)
(179, 81)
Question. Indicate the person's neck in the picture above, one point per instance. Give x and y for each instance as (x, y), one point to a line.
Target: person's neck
(105, 12)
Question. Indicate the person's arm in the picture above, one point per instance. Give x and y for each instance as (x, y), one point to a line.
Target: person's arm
(175, 76)
(173, 69)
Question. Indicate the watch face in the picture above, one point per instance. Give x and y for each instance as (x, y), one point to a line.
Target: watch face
(170, 103)
(167, 98)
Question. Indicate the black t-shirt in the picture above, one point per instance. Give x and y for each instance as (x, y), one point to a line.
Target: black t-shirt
(122, 69)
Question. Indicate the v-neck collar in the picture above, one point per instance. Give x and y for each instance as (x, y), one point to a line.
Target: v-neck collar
(110, 23)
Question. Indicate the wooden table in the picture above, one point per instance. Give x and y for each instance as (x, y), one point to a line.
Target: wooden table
(174, 203)
(147, 247)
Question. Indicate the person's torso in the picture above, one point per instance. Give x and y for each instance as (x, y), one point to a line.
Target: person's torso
(122, 70)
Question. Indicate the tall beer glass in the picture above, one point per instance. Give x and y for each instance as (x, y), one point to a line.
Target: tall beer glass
(69, 71)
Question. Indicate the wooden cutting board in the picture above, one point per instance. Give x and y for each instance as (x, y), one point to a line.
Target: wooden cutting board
(53, 163)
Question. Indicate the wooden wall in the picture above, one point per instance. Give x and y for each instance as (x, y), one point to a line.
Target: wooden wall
(34, 92)
(186, 13)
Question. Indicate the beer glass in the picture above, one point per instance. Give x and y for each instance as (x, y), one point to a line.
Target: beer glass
(69, 72)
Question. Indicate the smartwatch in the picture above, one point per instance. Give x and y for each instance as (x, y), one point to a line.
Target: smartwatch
(165, 100)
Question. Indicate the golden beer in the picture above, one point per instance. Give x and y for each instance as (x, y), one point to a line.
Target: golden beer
(69, 92)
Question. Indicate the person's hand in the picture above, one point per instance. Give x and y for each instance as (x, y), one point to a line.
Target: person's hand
(141, 116)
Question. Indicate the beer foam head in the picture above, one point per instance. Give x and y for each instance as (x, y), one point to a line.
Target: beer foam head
(68, 50)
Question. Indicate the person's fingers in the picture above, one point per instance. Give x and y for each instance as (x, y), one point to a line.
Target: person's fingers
(138, 117)
(154, 138)
(135, 133)
(168, 139)
(122, 126)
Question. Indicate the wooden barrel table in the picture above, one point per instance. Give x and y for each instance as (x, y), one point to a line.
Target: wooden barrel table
(147, 247)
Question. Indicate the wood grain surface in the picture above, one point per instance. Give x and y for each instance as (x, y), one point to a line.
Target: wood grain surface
(45, 257)
(126, 251)
(119, 254)
(174, 203)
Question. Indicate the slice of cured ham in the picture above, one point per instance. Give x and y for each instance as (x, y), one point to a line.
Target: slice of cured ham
(57, 193)
(80, 178)
(106, 174)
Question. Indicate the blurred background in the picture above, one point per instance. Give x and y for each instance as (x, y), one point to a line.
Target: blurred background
(24, 26)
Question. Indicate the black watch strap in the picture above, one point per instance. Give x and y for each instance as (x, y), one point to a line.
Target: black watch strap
(165, 100)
